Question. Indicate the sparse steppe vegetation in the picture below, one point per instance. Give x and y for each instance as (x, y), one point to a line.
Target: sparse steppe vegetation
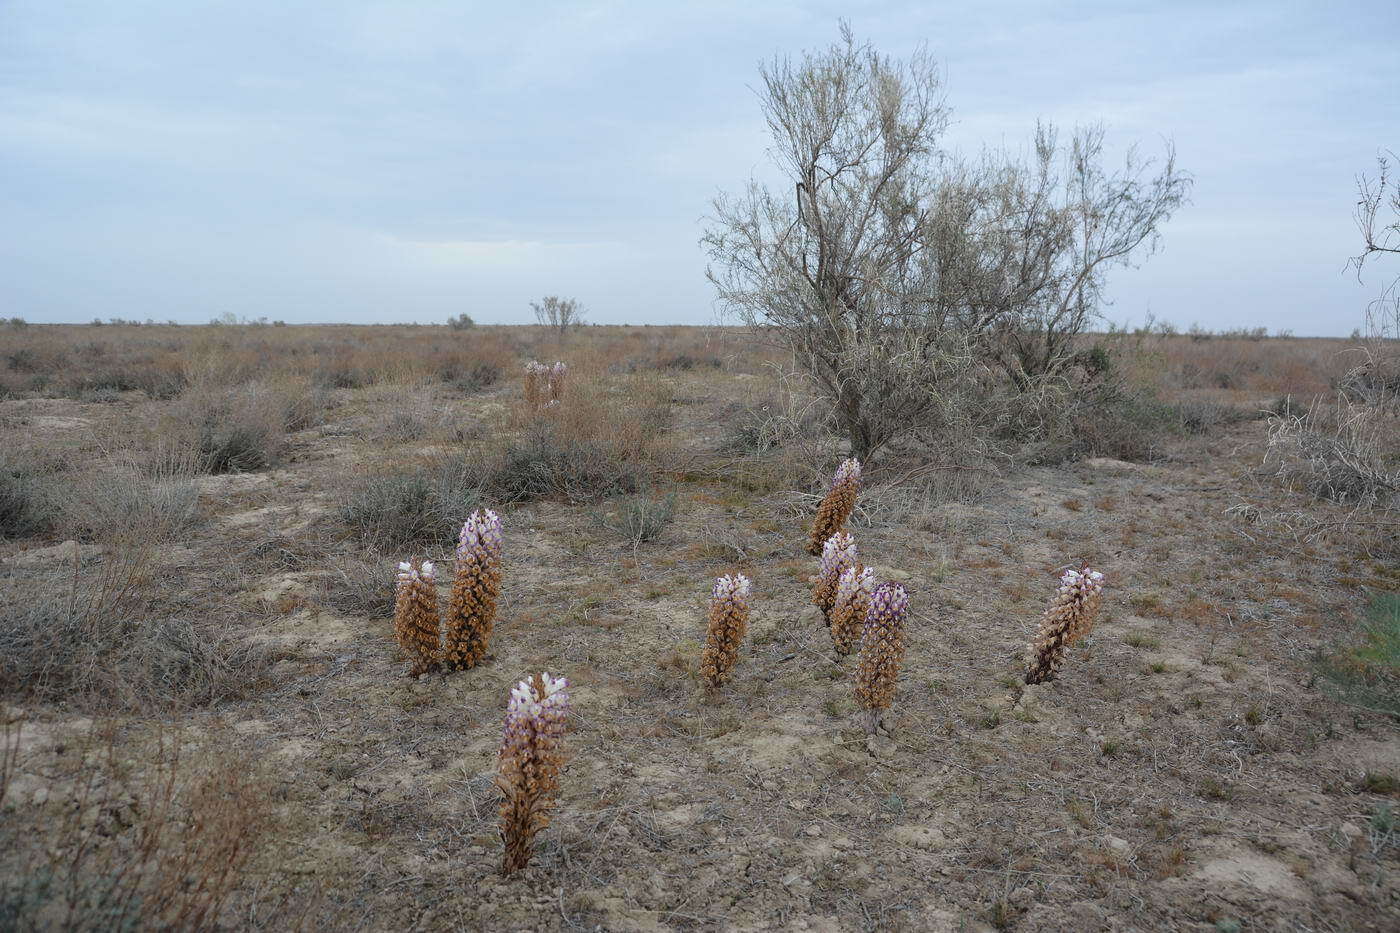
(1211, 757)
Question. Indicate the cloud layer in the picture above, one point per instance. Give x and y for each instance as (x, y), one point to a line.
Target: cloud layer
(387, 161)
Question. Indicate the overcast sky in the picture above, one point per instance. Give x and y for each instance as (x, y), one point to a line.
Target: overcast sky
(400, 161)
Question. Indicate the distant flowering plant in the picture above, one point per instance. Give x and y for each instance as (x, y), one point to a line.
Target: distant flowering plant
(728, 622)
(1070, 616)
(536, 382)
(836, 506)
(529, 763)
(557, 372)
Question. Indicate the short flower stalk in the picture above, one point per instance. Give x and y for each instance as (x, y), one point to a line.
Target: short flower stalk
(476, 587)
(728, 622)
(838, 555)
(881, 652)
(852, 602)
(836, 506)
(416, 615)
(531, 756)
(1071, 616)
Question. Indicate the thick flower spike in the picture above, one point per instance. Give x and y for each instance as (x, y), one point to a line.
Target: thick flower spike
(416, 615)
(837, 506)
(852, 602)
(729, 620)
(536, 381)
(557, 372)
(532, 753)
(838, 555)
(881, 651)
(1070, 617)
(476, 586)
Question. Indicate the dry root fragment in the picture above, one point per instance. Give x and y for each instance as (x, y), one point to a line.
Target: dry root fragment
(531, 756)
(838, 554)
(1070, 617)
(881, 650)
(416, 615)
(836, 507)
(851, 603)
(471, 610)
(729, 620)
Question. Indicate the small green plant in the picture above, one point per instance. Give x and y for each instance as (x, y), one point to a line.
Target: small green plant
(640, 518)
(1365, 670)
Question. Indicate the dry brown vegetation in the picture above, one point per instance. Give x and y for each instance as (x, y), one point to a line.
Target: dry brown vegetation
(208, 722)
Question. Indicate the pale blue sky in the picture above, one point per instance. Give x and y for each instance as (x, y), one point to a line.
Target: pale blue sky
(397, 161)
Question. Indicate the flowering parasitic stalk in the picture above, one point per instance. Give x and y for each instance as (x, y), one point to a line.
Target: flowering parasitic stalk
(1071, 615)
(471, 610)
(852, 602)
(881, 651)
(532, 752)
(836, 507)
(416, 615)
(729, 620)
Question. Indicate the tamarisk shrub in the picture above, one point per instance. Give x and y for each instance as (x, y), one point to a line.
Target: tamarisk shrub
(729, 620)
(532, 752)
(476, 586)
(881, 651)
(416, 615)
(852, 602)
(837, 505)
(1071, 615)
(838, 554)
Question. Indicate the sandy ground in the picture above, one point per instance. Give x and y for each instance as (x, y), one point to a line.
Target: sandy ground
(1184, 774)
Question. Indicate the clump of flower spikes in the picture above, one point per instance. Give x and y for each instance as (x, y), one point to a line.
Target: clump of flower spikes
(837, 505)
(557, 372)
(881, 650)
(852, 602)
(532, 753)
(1070, 617)
(416, 615)
(536, 382)
(476, 585)
(838, 554)
(729, 620)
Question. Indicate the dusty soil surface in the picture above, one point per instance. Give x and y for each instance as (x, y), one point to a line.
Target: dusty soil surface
(1184, 773)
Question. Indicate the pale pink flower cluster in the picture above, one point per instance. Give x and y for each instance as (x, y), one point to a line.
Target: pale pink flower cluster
(409, 576)
(535, 719)
(848, 471)
(480, 534)
(731, 589)
(838, 554)
(1083, 582)
(852, 585)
